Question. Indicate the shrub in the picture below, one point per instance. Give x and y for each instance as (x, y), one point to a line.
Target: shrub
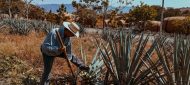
(23, 27)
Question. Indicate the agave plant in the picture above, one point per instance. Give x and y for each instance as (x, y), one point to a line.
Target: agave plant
(93, 76)
(23, 27)
(175, 65)
(18, 26)
(126, 66)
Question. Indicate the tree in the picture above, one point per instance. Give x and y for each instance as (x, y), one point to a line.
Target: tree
(19, 7)
(10, 14)
(27, 5)
(140, 14)
(36, 13)
(51, 17)
(62, 9)
(87, 17)
(11, 7)
(84, 10)
(159, 11)
(61, 13)
(99, 6)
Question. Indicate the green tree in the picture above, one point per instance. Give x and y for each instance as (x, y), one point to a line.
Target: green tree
(51, 17)
(86, 13)
(159, 10)
(36, 13)
(140, 14)
(87, 17)
(62, 9)
(61, 13)
(99, 6)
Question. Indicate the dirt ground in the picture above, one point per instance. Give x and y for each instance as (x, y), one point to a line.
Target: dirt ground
(27, 48)
(24, 52)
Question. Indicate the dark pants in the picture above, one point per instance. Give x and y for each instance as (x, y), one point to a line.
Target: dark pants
(48, 62)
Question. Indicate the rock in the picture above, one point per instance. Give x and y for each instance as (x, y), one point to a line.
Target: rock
(174, 24)
(152, 25)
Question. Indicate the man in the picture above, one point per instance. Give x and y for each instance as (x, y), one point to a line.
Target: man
(51, 48)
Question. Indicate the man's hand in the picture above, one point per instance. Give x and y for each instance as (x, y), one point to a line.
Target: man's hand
(84, 68)
(62, 49)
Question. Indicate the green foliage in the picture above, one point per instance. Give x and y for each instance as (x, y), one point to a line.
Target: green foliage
(139, 14)
(23, 27)
(61, 14)
(170, 12)
(36, 13)
(158, 10)
(114, 20)
(96, 7)
(87, 17)
(51, 17)
(62, 9)
(142, 12)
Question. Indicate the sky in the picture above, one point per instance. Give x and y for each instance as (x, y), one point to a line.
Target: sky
(168, 3)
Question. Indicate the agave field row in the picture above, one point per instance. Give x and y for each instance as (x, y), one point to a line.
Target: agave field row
(23, 26)
(137, 60)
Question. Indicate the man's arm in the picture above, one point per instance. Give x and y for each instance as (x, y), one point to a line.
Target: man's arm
(74, 59)
(68, 48)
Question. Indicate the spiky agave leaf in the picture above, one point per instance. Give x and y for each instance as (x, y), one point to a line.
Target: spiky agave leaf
(131, 68)
(96, 68)
(176, 67)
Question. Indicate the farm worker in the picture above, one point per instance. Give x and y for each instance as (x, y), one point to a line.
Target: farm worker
(51, 48)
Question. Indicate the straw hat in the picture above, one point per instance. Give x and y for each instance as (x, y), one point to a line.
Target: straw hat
(73, 27)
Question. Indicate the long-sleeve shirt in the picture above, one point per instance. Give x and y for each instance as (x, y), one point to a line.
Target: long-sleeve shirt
(51, 45)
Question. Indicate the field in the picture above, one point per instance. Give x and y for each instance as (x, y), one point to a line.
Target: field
(147, 45)
(27, 49)
(115, 56)
(145, 58)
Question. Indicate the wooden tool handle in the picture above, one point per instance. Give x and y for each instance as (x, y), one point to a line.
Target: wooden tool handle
(64, 52)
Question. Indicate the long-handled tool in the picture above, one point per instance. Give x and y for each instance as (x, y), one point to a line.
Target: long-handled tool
(64, 52)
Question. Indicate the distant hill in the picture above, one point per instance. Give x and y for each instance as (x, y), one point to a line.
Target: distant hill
(55, 7)
(70, 9)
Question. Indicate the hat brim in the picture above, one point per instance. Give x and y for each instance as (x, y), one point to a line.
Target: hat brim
(66, 25)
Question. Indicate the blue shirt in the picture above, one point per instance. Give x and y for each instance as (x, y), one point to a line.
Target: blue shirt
(51, 45)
